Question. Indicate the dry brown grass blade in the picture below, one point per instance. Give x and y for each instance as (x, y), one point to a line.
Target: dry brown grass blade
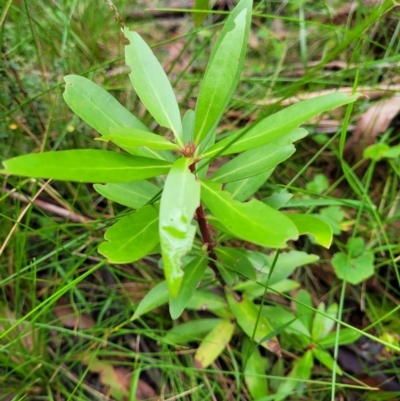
(373, 122)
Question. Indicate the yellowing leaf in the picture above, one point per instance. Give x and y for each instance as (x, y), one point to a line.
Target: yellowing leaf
(213, 344)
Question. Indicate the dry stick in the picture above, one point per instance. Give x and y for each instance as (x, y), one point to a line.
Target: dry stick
(49, 207)
(207, 240)
(206, 235)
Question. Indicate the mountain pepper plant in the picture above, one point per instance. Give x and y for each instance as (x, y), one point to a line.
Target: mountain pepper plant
(191, 217)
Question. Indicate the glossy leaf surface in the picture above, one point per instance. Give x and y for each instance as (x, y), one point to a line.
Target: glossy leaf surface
(191, 331)
(193, 273)
(132, 237)
(132, 194)
(102, 111)
(87, 165)
(256, 161)
(152, 85)
(285, 265)
(246, 313)
(318, 228)
(213, 344)
(223, 71)
(252, 221)
(156, 297)
(180, 198)
(241, 190)
(135, 138)
(279, 124)
(96, 106)
(205, 300)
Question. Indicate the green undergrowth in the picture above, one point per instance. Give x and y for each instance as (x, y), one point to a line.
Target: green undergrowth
(66, 324)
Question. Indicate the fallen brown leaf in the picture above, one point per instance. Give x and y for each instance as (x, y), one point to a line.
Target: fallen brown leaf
(373, 122)
(69, 317)
(118, 379)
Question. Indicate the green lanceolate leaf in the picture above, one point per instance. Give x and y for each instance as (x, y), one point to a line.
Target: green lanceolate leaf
(179, 201)
(132, 237)
(151, 84)
(246, 314)
(323, 325)
(102, 111)
(235, 260)
(346, 336)
(306, 224)
(86, 165)
(193, 273)
(96, 106)
(156, 297)
(252, 221)
(213, 344)
(278, 199)
(187, 126)
(256, 161)
(278, 125)
(243, 189)
(135, 138)
(223, 71)
(251, 163)
(132, 194)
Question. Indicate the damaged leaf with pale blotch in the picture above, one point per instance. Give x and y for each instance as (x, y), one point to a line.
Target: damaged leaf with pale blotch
(179, 201)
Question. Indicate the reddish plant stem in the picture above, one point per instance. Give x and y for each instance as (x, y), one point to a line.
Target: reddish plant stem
(206, 236)
(207, 240)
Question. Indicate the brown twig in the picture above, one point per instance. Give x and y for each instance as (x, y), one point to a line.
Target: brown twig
(49, 207)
